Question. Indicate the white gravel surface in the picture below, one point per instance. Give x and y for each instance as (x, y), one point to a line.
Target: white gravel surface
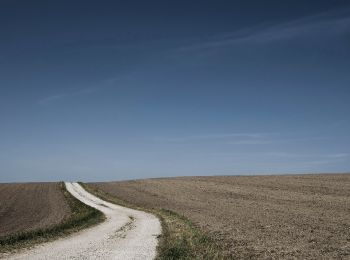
(126, 234)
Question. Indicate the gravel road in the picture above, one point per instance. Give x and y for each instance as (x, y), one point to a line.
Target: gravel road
(126, 234)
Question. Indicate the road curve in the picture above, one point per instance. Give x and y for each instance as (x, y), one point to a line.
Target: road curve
(126, 234)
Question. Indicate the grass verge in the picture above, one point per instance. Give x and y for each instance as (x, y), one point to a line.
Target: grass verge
(82, 216)
(180, 238)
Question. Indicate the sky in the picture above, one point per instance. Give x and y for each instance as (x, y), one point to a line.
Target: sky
(116, 90)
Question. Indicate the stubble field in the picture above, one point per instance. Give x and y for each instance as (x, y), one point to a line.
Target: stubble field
(30, 206)
(269, 217)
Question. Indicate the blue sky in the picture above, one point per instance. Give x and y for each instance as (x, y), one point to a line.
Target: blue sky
(108, 90)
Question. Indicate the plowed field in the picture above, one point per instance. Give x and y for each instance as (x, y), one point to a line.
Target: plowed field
(300, 216)
(29, 206)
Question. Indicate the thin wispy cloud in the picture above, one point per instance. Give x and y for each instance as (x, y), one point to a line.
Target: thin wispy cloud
(285, 159)
(56, 97)
(315, 159)
(219, 136)
(81, 92)
(310, 159)
(241, 138)
(249, 142)
(331, 23)
(282, 154)
(308, 155)
(111, 80)
(49, 99)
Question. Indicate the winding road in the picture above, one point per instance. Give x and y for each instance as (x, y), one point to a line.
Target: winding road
(125, 234)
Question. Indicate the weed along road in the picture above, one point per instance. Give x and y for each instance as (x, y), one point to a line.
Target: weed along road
(125, 234)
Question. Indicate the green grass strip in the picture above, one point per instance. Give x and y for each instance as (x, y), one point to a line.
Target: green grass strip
(180, 238)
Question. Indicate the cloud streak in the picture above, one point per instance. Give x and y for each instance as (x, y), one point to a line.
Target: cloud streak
(243, 138)
(331, 23)
(81, 92)
(49, 99)
(263, 138)
(249, 142)
(299, 155)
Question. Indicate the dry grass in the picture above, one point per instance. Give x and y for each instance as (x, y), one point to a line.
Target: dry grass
(180, 238)
(256, 217)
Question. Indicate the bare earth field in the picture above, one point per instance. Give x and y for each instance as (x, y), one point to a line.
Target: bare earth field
(271, 217)
(29, 206)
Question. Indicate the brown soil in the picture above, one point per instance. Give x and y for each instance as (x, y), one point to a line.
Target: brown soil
(270, 217)
(29, 206)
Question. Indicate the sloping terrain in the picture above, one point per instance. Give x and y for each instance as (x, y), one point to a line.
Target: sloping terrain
(302, 216)
(34, 213)
(30, 206)
(125, 234)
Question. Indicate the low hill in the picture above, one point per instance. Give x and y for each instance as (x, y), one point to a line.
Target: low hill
(30, 206)
(290, 216)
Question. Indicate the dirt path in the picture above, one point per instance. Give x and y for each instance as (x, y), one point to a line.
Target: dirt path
(126, 234)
